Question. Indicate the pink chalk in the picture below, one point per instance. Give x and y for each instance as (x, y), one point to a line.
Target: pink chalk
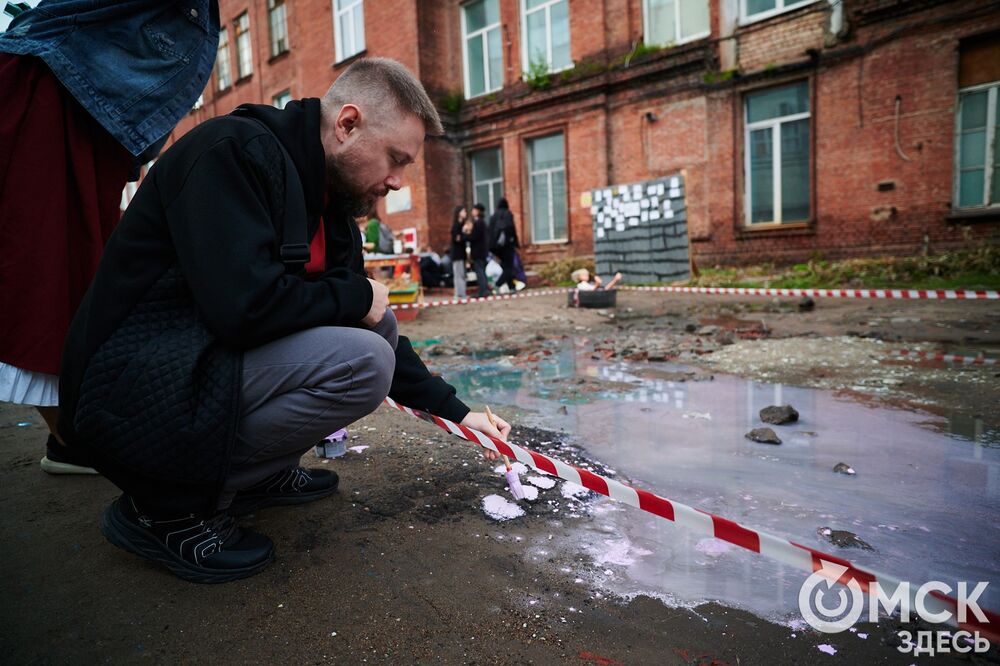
(514, 481)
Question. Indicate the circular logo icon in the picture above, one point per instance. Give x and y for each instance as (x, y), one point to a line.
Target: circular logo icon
(813, 597)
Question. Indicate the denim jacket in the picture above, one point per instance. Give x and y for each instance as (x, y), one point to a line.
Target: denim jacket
(137, 66)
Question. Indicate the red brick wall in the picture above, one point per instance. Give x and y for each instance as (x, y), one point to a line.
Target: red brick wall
(783, 38)
(854, 121)
(890, 48)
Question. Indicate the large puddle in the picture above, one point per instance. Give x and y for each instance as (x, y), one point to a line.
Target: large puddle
(925, 496)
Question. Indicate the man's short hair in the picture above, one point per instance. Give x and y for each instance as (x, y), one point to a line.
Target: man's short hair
(480, 207)
(376, 83)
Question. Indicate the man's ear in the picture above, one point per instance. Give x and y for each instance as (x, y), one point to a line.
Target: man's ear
(348, 120)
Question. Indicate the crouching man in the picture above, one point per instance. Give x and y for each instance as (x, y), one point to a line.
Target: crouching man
(231, 326)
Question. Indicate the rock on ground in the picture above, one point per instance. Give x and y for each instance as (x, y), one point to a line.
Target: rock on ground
(779, 414)
(763, 435)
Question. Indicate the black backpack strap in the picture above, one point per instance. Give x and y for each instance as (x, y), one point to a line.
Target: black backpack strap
(294, 250)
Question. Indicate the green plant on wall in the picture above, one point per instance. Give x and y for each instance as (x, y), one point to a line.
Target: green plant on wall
(719, 77)
(640, 51)
(583, 68)
(452, 102)
(537, 77)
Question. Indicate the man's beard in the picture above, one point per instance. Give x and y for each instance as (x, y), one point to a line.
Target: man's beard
(344, 198)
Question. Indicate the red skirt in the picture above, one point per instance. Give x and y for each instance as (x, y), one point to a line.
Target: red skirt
(61, 181)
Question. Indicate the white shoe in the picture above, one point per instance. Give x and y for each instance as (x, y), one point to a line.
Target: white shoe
(504, 289)
(518, 285)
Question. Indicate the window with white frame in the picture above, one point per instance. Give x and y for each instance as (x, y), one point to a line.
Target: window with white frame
(482, 57)
(777, 165)
(675, 21)
(545, 31)
(753, 10)
(244, 52)
(281, 99)
(223, 68)
(977, 177)
(348, 28)
(277, 21)
(547, 188)
(487, 177)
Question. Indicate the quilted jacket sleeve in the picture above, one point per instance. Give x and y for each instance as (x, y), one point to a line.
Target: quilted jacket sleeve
(220, 220)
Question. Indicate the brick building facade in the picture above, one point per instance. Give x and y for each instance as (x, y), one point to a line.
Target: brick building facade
(837, 127)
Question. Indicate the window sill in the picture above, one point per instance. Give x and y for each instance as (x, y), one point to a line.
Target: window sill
(223, 91)
(278, 56)
(349, 59)
(525, 73)
(681, 42)
(558, 241)
(775, 229)
(991, 214)
(479, 96)
(243, 79)
(763, 16)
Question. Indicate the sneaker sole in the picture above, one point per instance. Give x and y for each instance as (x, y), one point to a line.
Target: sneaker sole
(53, 467)
(123, 534)
(243, 506)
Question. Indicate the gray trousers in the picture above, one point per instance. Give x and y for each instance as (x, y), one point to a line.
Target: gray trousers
(299, 389)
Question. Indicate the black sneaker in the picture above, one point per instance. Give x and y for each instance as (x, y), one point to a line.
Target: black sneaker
(297, 485)
(201, 550)
(60, 459)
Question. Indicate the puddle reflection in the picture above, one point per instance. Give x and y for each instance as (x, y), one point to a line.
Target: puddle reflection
(926, 498)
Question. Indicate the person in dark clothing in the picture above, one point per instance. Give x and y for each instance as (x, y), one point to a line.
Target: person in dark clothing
(90, 91)
(503, 242)
(480, 248)
(460, 248)
(231, 326)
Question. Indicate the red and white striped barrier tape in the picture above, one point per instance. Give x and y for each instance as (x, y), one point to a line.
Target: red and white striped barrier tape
(945, 358)
(484, 299)
(913, 294)
(703, 523)
(906, 294)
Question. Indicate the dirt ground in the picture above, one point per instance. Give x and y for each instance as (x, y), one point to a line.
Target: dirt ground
(402, 565)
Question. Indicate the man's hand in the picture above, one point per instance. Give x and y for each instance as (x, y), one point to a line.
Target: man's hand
(479, 421)
(380, 301)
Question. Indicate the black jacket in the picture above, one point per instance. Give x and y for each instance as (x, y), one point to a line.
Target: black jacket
(151, 373)
(502, 221)
(458, 241)
(479, 240)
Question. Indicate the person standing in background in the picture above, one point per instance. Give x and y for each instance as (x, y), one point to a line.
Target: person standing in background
(459, 249)
(91, 90)
(479, 245)
(503, 243)
(367, 246)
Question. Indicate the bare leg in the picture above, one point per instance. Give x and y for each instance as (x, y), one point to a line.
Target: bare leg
(614, 281)
(51, 416)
